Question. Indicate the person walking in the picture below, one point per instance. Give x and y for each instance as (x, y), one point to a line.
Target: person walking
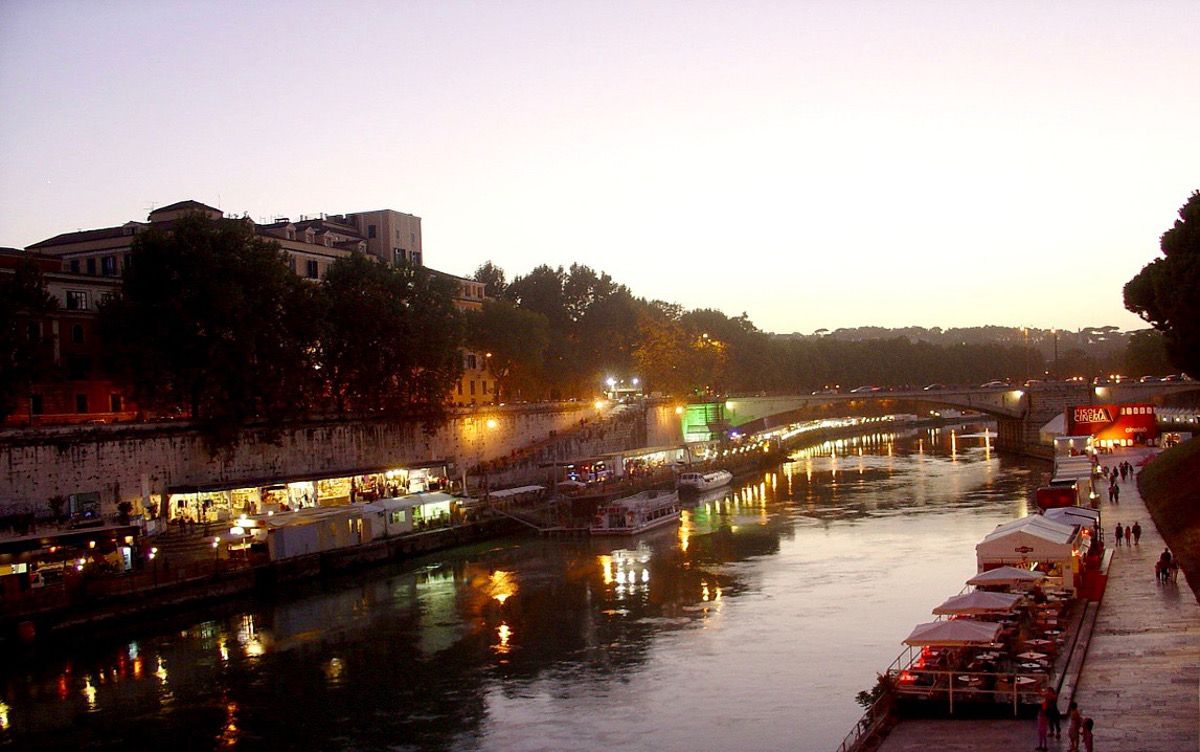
(1074, 726)
(1116, 494)
(1137, 533)
(1119, 534)
(1088, 725)
(1043, 729)
(1053, 715)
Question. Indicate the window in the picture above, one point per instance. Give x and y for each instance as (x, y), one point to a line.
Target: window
(114, 403)
(412, 236)
(125, 261)
(105, 297)
(472, 387)
(77, 333)
(398, 256)
(292, 264)
(108, 266)
(91, 265)
(460, 387)
(416, 258)
(33, 331)
(471, 361)
(77, 300)
(370, 231)
(484, 386)
(311, 269)
(74, 266)
(81, 403)
(35, 405)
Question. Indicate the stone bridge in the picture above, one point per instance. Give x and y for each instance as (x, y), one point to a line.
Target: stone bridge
(1019, 411)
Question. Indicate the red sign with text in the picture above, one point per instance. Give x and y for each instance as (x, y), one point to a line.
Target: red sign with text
(1126, 423)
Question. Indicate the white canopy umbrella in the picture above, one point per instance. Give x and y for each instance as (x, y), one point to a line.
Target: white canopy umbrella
(980, 602)
(954, 633)
(1006, 576)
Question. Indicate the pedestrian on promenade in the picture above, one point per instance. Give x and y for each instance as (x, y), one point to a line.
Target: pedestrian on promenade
(1043, 729)
(1173, 570)
(1137, 533)
(1053, 716)
(1088, 725)
(1074, 726)
(1124, 470)
(1119, 534)
(1110, 493)
(1116, 494)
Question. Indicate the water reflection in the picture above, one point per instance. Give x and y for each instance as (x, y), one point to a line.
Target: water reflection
(786, 592)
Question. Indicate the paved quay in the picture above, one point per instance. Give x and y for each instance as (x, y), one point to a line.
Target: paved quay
(1140, 681)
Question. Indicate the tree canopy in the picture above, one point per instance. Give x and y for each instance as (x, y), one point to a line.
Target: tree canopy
(25, 353)
(211, 319)
(1166, 292)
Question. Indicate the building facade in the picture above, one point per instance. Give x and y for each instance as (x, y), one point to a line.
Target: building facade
(82, 268)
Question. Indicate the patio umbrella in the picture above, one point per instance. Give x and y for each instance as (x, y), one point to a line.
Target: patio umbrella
(979, 602)
(954, 633)
(1006, 576)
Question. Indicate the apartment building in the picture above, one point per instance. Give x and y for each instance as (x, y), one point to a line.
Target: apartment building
(83, 267)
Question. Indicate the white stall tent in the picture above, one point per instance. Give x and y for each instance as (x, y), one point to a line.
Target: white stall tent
(1073, 516)
(1006, 576)
(954, 633)
(1035, 538)
(979, 602)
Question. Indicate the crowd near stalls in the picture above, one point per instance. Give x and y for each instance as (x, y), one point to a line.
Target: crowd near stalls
(226, 502)
(63, 558)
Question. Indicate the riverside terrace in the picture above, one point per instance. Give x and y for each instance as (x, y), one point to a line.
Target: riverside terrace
(998, 665)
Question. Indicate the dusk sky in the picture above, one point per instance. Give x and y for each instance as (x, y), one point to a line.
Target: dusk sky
(813, 164)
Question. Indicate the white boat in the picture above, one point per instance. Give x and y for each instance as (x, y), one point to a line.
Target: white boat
(703, 481)
(634, 514)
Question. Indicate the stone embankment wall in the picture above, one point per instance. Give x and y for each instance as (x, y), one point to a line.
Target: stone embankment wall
(138, 463)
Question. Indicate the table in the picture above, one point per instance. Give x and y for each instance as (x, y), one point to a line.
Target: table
(1038, 643)
(1023, 681)
(1030, 655)
(970, 681)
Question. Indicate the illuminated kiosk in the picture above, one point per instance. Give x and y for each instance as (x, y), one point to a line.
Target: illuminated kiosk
(1054, 548)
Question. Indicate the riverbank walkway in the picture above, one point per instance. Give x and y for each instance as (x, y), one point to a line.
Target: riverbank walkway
(1140, 681)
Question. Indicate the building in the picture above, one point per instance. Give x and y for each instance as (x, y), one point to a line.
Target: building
(82, 393)
(85, 266)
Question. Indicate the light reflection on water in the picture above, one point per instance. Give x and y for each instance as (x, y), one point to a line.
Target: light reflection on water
(751, 625)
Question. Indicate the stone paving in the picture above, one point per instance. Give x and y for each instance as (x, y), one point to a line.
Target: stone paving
(1141, 679)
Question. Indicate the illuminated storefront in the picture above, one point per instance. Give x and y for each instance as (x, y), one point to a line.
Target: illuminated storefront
(228, 501)
(1114, 425)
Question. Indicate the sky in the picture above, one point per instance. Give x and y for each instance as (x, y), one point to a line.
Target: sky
(811, 164)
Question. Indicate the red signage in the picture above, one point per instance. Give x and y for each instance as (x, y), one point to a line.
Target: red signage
(1125, 424)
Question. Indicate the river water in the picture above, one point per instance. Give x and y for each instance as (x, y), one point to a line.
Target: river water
(750, 626)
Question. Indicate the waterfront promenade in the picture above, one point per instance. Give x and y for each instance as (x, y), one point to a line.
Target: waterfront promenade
(1140, 681)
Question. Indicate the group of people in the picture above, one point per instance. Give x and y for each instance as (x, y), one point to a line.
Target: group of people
(1166, 568)
(1132, 536)
(1049, 723)
(1120, 471)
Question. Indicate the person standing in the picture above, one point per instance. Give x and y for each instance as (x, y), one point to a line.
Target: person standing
(1074, 726)
(1119, 534)
(1053, 716)
(1137, 533)
(1043, 729)
(1116, 494)
(1088, 725)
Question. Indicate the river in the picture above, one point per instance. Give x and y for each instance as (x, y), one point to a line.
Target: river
(751, 626)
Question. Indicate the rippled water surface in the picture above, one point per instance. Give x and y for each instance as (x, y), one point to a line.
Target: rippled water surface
(751, 626)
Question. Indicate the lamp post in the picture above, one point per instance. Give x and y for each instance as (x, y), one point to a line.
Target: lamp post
(1055, 333)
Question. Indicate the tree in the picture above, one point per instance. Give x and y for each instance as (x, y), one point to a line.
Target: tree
(1166, 292)
(389, 338)
(515, 341)
(492, 277)
(1146, 353)
(210, 319)
(25, 355)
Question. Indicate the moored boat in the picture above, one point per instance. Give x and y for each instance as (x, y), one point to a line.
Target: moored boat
(634, 514)
(697, 482)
